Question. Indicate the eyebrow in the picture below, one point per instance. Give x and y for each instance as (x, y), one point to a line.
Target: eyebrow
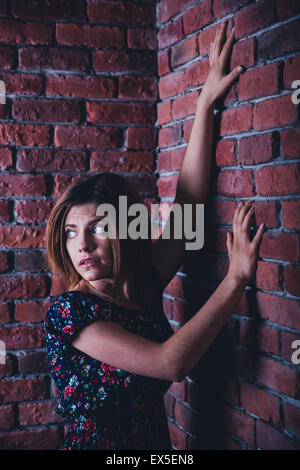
(90, 222)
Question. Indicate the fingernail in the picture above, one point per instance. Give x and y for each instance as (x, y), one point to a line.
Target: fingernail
(240, 69)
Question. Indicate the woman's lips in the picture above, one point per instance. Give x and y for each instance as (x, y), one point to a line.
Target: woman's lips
(89, 264)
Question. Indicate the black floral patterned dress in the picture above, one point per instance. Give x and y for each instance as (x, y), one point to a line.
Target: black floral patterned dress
(106, 407)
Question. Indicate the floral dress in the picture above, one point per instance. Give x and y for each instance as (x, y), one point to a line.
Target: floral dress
(106, 407)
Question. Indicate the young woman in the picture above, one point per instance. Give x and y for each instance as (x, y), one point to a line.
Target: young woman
(111, 351)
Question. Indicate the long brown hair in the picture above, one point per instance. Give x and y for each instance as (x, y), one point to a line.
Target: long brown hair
(131, 258)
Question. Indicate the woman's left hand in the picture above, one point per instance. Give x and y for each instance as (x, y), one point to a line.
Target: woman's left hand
(217, 82)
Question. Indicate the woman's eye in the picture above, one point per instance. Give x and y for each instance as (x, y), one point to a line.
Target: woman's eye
(100, 227)
(67, 231)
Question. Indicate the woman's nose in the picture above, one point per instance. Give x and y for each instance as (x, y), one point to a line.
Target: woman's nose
(85, 242)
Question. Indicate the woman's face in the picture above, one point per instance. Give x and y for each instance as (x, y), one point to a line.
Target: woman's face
(86, 239)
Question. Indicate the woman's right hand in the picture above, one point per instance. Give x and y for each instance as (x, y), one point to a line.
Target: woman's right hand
(243, 252)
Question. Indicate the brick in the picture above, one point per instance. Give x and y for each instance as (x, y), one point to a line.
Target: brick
(145, 184)
(274, 112)
(91, 36)
(167, 9)
(269, 438)
(23, 237)
(278, 377)
(197, 73)
(50, 160)
(163, 62)
(176, 286)
(291, 279)
(279, 41)
(206, 38)
(180, 311)
(53, 58)
(236, 120)
(164, 161)
(22, 185)
(120, 12)
(243, 52)
(31, 262)
(172, 84)
(124, 61)
(267, 276)
(226, 152)
(290, 143)
(142, 88)
(5, 211)
(22, 337)
(87, 136)
(197, 17)
(142, 38)
(78, 86)
(122, 161)
(24, 83)
(223, 7)
(178, 437)
(46, 110)
(33, 211)
(31, 439)
(6, 162)
(183, 52)
(236, 183)
(6, 417)
(254, 17)
(120, 113)
(283, 246)
(25, 33)
(169, 405)
(187, 129)
(278, 180)
(292, 418)
(30, 312)
(291, 71)
(4, 313)
(169, 136)
(177, 156)
(22, 287)
(140, 138)
(185, 417)
(170, 34)
(239, 424)
(291, 214)
(167, 305)
(7, 57)
(259, 82)
(55, 10)
(184, 106)
(164, 112)
(32, 414)
(167, 185)
(22, 389)
(287, 8)
(279, 310)
(260, 403)
(259, 148)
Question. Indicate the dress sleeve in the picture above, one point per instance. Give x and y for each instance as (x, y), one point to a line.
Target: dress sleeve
(68, 315)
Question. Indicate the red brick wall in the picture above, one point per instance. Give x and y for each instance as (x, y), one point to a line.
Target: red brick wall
(81, 84)
(244, 393)
(83, 96)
